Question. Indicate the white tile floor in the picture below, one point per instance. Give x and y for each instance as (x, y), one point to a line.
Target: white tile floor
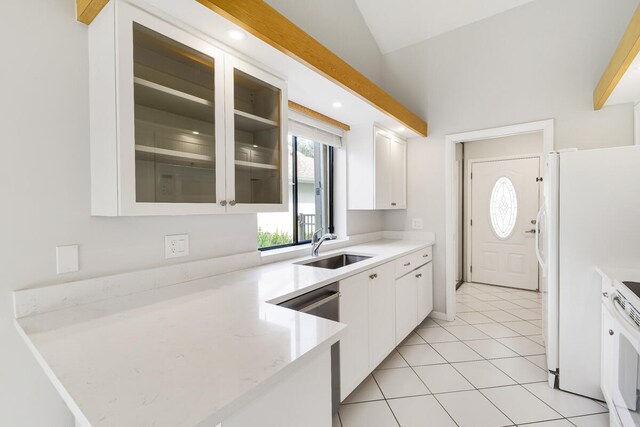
(486, 368)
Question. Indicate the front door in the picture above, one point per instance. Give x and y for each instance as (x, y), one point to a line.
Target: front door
(504, 204)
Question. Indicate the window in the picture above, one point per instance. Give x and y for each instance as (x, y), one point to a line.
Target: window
(503, 207)
(310, 197)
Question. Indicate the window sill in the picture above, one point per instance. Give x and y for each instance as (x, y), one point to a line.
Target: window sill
(290, 252)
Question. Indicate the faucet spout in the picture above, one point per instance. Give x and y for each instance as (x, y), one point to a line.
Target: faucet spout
(316, 241)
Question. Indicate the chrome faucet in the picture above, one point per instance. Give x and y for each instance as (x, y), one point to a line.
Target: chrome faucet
(316, 240)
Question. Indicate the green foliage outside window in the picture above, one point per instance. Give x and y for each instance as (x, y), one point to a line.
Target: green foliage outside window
(277, 238)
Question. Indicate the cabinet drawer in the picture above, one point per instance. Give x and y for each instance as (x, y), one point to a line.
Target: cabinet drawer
(412, 261)
(422, 257)
(405, 264)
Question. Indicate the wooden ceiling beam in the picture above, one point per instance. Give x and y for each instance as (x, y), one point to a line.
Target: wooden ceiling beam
(624, 55)
(318, 116)
(87, 10)
(266, 23)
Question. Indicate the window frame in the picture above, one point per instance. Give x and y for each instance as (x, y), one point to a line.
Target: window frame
(294, 201)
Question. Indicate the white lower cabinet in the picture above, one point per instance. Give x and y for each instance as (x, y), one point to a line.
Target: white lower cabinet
(424, 277)
(380, 310)
(382, 313)
(354, 347)
(414, 291)
(406, 305)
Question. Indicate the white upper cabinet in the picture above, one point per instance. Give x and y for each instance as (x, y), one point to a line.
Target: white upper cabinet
(178, 126)
(255, 115)
(377, 169)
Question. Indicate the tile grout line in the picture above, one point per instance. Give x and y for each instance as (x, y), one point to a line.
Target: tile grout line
(464, 342)
(427, 387)
(521, 385)
(385, 399)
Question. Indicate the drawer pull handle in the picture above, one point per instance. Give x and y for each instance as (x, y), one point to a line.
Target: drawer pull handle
(393, 204)
(425, 256)
(407, 264)
(373, 276)
(419, 275)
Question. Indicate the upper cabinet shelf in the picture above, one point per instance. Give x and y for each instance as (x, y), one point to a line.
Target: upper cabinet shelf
(252, 123)
(179, 126)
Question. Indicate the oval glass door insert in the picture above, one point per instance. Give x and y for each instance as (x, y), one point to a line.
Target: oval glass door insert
(503, 207)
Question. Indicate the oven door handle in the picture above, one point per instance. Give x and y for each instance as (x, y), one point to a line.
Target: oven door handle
(319, 303)
(621, 316)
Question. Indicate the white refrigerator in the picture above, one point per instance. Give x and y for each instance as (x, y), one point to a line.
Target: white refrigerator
(590, 216)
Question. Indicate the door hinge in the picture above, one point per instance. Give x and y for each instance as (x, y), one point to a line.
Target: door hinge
(471, 222)
(471, 269)
(471, 177)
(539, 179)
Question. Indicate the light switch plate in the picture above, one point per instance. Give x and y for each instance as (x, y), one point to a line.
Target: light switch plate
(416, 224)
(67, 259)
(176, 245)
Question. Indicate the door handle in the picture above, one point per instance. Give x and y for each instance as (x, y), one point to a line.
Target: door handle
(532, 231)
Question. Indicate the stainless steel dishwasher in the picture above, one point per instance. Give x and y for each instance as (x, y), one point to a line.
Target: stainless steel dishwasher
(323, 302)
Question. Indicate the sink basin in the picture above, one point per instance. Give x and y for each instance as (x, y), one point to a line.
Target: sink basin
(336, 261)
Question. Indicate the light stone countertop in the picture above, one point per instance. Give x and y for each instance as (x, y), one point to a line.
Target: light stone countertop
(190, 353)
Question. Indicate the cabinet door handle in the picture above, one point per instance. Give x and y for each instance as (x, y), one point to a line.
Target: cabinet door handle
(425, 256)
(232, 203)
(373, 276)
(419, 275)
(407, 264)
(610, 331)
(223, 203)
(393, 203)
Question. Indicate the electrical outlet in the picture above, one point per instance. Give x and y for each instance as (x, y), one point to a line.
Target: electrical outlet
(176, 245)
(67, 259)
(416, 224)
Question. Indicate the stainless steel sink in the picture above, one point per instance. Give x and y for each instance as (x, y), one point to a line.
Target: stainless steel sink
(336, 261)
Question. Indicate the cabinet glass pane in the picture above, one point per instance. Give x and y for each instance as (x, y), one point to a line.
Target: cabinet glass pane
(257, 140)
(174, 121)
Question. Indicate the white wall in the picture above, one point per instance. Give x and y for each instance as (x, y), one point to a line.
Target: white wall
(528, 143)
(339, 26)
(45, 197)
(538, 61)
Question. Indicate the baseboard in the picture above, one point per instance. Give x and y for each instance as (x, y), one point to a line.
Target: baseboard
(438, 315)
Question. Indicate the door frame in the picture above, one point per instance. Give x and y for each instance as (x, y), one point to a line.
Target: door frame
(467, 239)
(451, 191)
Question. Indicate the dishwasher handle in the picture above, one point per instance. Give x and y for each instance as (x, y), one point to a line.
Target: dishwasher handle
(319, 303)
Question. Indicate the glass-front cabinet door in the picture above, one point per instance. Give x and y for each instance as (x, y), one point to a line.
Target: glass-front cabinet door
(255, 114)
(176, 150)
(179, 125)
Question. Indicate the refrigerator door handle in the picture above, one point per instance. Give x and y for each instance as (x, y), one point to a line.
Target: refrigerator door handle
(537, 234)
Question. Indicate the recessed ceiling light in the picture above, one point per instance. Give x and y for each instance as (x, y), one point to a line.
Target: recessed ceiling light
(401, 129)
(337, 104)
(195, 132)
(236, 34)
(255, 146)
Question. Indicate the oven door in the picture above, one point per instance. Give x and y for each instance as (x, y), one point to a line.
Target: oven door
(620, 363)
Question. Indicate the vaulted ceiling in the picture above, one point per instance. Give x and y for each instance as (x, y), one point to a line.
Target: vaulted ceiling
(399, 23)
